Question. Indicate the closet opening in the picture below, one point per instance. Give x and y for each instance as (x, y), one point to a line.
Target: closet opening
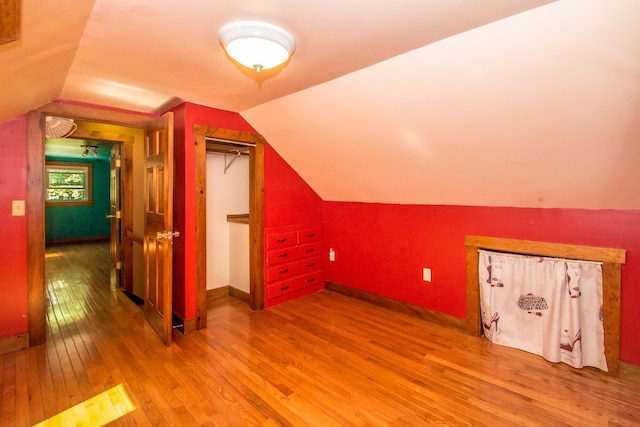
(237, 175)
(228, 261)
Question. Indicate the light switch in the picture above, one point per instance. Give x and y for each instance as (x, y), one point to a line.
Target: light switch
(17, 207)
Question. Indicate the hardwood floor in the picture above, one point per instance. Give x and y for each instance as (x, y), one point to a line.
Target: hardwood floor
(322, 360)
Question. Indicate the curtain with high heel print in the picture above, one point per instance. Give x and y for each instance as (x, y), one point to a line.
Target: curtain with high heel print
(548, 306)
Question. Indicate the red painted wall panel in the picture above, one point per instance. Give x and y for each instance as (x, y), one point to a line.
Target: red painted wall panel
(13, 254)
(288, 199)
(383, 248)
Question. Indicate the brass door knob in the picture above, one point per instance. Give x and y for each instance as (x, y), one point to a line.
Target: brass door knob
(167, 235)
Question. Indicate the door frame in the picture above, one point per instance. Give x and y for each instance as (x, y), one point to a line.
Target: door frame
(256, 214)
(115, 221)
(35, 198)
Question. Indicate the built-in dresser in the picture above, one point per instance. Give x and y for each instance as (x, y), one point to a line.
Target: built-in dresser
(294, 262)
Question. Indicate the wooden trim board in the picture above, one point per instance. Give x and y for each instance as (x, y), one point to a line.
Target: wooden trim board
(224, 291)
(14, 343)
(398, 306)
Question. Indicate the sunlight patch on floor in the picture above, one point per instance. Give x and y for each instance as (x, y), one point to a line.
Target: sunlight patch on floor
(96, 411)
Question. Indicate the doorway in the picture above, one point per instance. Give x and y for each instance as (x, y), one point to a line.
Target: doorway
(112, 126)
(92, 211)
(78, 190)
(207, 136)
(80, 185)
(228, 263)
(109, 212)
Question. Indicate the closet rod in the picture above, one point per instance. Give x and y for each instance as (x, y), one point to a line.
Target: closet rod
(230, 142)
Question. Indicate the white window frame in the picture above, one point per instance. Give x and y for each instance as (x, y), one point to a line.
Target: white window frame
(85, 168)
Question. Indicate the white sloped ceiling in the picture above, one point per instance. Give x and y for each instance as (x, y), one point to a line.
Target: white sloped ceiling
(538, 110)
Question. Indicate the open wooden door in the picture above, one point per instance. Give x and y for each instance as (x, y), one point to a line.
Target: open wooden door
(158, 225)
(115, 217)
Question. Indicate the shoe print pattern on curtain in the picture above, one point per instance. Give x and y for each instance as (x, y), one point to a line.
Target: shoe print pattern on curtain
(547, 306)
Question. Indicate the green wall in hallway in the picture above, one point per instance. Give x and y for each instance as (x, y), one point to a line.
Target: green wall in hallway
(81, 222)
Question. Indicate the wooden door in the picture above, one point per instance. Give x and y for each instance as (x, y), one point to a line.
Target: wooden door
(158, 225)
(115, 217)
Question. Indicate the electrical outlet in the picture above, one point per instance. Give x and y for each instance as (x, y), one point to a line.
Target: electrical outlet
(332, 255)
(426, 274)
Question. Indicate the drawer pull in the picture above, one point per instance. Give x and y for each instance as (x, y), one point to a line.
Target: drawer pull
(282, 240)
(283, 255)
(313, 279)
(285, 271)
(311, 235)
(310, 250)
(311, 264)
(284, 288)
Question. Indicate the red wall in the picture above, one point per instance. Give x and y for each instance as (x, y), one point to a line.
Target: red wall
(288, 199)
(383, 248)
(13, 229)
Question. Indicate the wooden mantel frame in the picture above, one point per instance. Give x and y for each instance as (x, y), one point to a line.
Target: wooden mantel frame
(611, 260)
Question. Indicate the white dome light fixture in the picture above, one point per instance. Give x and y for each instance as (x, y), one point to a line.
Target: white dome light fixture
(257, 45)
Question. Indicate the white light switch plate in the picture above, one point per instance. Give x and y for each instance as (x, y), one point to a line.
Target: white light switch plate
(17, 207)
(426, 274)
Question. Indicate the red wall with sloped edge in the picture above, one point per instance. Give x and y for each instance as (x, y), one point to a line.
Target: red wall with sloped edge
(288, 199)
(383, 248)
(289, 203)
(13, 254)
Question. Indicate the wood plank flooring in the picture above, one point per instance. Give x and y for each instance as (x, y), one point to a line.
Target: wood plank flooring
(322, 360)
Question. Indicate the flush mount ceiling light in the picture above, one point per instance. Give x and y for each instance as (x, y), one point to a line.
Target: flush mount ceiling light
(256, 45)
(59, 127)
